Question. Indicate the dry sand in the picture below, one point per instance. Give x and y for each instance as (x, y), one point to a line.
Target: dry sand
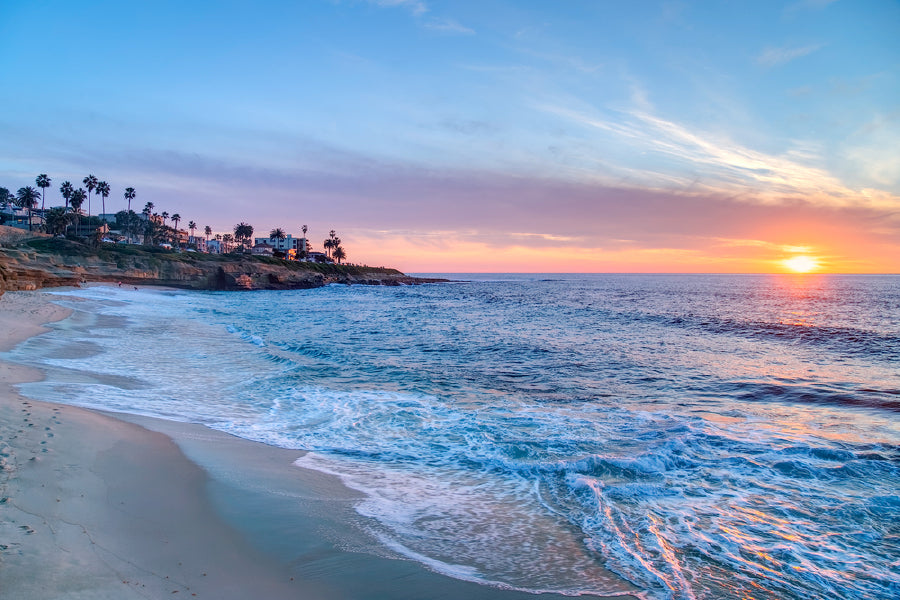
(115, 506)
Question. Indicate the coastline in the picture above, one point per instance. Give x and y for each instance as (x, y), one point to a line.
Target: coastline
(96, 505)
(34, 263)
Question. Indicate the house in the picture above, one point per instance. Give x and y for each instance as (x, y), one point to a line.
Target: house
(214, 247)
(13, 216)
(198, 242)
(262, 250)
(283, 245)
(319, 257)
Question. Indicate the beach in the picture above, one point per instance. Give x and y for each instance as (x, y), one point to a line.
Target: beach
(101, 505)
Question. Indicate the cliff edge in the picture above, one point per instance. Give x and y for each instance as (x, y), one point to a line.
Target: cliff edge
(50, 262)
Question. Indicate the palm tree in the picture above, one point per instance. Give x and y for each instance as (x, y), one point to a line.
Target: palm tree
(277, 234)
(192, 226)
(148, 208)
(76, 201)
(331, 243)
(66, 190)
(103, 190)
(129, 195)
(43, 182)
(243, 232)
(5, 196)
(90, 182)
(175, 219)
(208, 231)
(164, 215)
(338, 254)
(27, 197)
(58, 219)
(226, 240)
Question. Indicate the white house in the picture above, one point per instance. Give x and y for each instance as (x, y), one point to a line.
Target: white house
(262, 249)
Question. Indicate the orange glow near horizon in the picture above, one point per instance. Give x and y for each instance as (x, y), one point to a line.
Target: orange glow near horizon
(451, 252)
(801, 264)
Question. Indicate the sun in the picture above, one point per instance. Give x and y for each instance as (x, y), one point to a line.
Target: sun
(801, 264)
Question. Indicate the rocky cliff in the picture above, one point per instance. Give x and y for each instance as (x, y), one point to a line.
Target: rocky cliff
(41, 263)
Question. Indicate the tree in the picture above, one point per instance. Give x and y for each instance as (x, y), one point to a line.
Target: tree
(208, 231)
(129, 195)
(175, 219)
(192, 226)
(331, 243)
(277, 234)
(129, 222)
(226, 241)
(27, 197)
(148, 208)
(338, 254)
(5, 196)
(243, 232)
(164, 215)
(76, 201)
(43, 182)
(103, 191)
(58, 219)
(90, 182)
(66, 190)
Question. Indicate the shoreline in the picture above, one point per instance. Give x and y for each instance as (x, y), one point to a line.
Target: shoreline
(103, 505)
(32, 264)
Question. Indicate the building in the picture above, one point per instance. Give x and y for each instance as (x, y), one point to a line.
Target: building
(262, 249)
(288, 243)
(214, 247)
(13, 216)
(198, 242)
(319, 257)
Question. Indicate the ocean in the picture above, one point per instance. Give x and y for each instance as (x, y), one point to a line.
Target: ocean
(701, 436)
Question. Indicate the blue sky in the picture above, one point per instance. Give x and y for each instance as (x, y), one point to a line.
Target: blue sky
(489, 135)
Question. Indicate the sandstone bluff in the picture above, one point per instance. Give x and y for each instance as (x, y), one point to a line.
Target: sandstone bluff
(30, 263)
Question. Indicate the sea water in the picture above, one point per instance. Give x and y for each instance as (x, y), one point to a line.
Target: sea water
(702, 436)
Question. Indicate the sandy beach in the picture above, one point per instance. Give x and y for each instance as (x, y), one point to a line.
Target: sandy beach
(94, 505)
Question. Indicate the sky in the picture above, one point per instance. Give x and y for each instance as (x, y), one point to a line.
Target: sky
(479, 136)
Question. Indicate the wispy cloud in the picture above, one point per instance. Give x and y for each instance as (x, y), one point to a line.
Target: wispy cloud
(773, 57)
(743, 243)
(446, 25)
(806, 5)
(417, 7)
(727, 166)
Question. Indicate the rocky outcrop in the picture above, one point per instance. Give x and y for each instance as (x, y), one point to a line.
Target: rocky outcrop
(50, 263)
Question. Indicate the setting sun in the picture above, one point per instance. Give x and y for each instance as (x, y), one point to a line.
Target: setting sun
(801, 264)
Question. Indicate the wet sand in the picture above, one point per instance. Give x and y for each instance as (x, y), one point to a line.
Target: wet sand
(94, 505)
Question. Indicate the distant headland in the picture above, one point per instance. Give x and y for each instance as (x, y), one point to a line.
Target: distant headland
(64, 245)
(34, 261)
